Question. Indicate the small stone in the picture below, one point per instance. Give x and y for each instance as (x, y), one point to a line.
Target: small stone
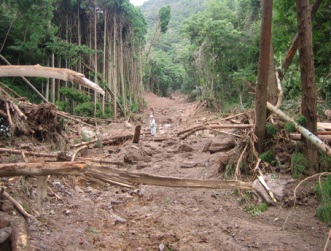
(188, 164)
(67, 212)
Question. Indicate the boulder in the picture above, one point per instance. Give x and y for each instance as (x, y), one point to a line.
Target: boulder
(185, 148)
(222, 143)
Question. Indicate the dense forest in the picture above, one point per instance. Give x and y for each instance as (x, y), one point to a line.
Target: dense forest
(215, 48)
(208, 49)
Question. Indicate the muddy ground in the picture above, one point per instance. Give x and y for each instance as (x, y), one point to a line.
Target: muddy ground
(84, 215)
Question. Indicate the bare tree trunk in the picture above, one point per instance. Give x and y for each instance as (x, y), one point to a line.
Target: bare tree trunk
(272, 81)
(53, 81)
(121, 68)
(295, 43)
(95, 58)
(307, 69)
(115, 67)
(261, 89)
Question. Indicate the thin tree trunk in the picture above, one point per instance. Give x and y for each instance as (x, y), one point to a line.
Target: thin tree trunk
(261, 89)
(115, 66)
(121, 67)
(272, 81)
(295, 43)
(104, 46)
(307, 69)
(53, 81)
(95, 58)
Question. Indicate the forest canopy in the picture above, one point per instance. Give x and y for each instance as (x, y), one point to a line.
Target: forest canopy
(206, 48)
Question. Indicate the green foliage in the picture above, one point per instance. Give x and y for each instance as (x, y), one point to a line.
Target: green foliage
(323, 192)
(85, 109)
(99, 143)
(289, 127)
(298, 164)
(267, 156)
(324, 162)
(134, 107)
(302, 120)
(61, 105)
(85, 138)
(162, 74)
(256, 209)
(164, 16)
(229, 171)
(91, 230)
(324, 84)
(222, 54)
(271, 129)
(75, 95)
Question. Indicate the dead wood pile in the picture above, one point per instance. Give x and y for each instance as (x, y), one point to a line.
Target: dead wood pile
(23, 118)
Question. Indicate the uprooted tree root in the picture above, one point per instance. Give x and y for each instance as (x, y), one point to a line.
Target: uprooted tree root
(38, 121)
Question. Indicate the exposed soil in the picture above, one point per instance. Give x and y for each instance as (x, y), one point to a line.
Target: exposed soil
(85, 215)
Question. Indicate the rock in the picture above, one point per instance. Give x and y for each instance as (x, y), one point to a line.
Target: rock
(86, 132)
(127, 125)
(222, 143)
(133, 156)
(185, 148)
(170, 142)
(5, 234)
(207, 145)
(117, 219)
(141, 165)
(188, 164)
(277, 186)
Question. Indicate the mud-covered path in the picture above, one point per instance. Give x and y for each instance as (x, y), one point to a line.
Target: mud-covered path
(82, 215)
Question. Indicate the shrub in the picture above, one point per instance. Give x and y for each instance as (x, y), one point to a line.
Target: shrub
(271, 129)
(290, 127)
(298, 164)
(323, 192)
(302, 120)
(267, 156)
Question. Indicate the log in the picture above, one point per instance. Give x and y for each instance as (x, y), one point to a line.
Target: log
(37, 154)
(41, 168)
(196, 128)
(325, 138)
(323, 125)
(17, 205)
(20, 235)
(215, 126)
(113, 176)
(59, 156)
(48, 72)
(111, 140)
(304, 132)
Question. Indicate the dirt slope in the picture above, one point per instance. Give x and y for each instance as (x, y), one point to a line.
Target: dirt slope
(82, 215)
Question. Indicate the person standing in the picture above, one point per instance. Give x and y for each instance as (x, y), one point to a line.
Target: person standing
(152, 122)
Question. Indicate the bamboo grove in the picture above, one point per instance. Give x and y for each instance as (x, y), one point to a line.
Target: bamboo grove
(103, 39)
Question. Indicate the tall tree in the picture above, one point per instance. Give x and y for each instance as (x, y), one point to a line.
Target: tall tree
(307, 69)
(261, 88)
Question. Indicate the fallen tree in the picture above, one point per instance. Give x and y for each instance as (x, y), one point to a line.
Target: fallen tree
(112, 175)
(48, 72)
(304, 132)
(189, 131)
